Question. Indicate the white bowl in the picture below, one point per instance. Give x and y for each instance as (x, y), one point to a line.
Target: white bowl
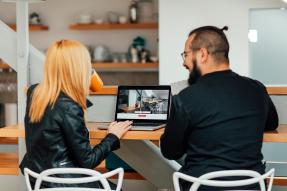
(123, 19)
(85, 18)
(99, 21)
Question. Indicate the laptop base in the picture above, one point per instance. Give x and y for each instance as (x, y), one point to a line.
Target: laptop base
(137, 128)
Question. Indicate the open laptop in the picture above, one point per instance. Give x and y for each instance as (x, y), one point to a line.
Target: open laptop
(146, 106)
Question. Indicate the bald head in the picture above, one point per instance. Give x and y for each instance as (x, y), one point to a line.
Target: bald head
(214, 40)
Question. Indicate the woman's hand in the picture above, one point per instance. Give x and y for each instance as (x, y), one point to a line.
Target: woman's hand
(119, 128)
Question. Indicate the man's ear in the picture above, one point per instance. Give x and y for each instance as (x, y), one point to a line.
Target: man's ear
(203, 55)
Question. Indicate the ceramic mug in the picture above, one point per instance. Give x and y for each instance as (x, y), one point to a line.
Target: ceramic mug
(113, 17)
(101, 53)
(98, 20)
(84, 18)
(123, 19)
(96, 83)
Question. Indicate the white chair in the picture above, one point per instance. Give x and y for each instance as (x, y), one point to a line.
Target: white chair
(92, 176)
(206, 179)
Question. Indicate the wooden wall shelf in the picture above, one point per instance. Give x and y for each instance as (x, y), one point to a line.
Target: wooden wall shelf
(107, 26)
(105, 66)
(4, 66)
(112, 90)
(131, 66)
(32, 27)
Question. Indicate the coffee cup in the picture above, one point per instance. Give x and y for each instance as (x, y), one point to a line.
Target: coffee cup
(96, 83)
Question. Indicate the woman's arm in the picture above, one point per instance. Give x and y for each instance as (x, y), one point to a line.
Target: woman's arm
(77, 139)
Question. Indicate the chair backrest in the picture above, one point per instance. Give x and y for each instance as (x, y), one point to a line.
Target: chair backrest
(91, 176)
(206, 179)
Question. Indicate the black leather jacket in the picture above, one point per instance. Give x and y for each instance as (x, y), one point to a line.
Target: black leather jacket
(61, 139)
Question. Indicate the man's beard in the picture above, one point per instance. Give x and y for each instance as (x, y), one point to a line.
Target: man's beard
(195, 74)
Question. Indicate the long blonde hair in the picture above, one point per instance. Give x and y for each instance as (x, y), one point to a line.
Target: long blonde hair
(68, 70)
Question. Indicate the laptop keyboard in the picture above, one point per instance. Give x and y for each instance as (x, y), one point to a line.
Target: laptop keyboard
(146, 124)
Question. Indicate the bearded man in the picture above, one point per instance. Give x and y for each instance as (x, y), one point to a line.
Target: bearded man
(218, 121)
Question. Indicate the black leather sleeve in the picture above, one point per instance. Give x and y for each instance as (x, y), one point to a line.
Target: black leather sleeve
(77, 139)
(172, 142)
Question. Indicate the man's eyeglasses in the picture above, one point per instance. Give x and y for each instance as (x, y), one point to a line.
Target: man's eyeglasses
(184, 54)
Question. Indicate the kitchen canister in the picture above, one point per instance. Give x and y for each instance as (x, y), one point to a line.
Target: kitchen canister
(145, 11)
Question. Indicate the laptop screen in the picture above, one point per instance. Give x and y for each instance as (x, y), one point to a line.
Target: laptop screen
(137, 103)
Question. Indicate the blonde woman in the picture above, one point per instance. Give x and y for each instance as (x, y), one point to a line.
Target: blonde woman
(56, 135)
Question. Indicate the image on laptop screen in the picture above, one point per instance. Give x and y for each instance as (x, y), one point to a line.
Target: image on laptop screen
(139, 104)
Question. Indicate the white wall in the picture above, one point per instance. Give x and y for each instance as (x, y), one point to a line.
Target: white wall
(178, 18)
(59, 14)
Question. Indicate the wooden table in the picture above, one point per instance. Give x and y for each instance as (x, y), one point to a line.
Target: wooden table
(9, 161)
(279, 135)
